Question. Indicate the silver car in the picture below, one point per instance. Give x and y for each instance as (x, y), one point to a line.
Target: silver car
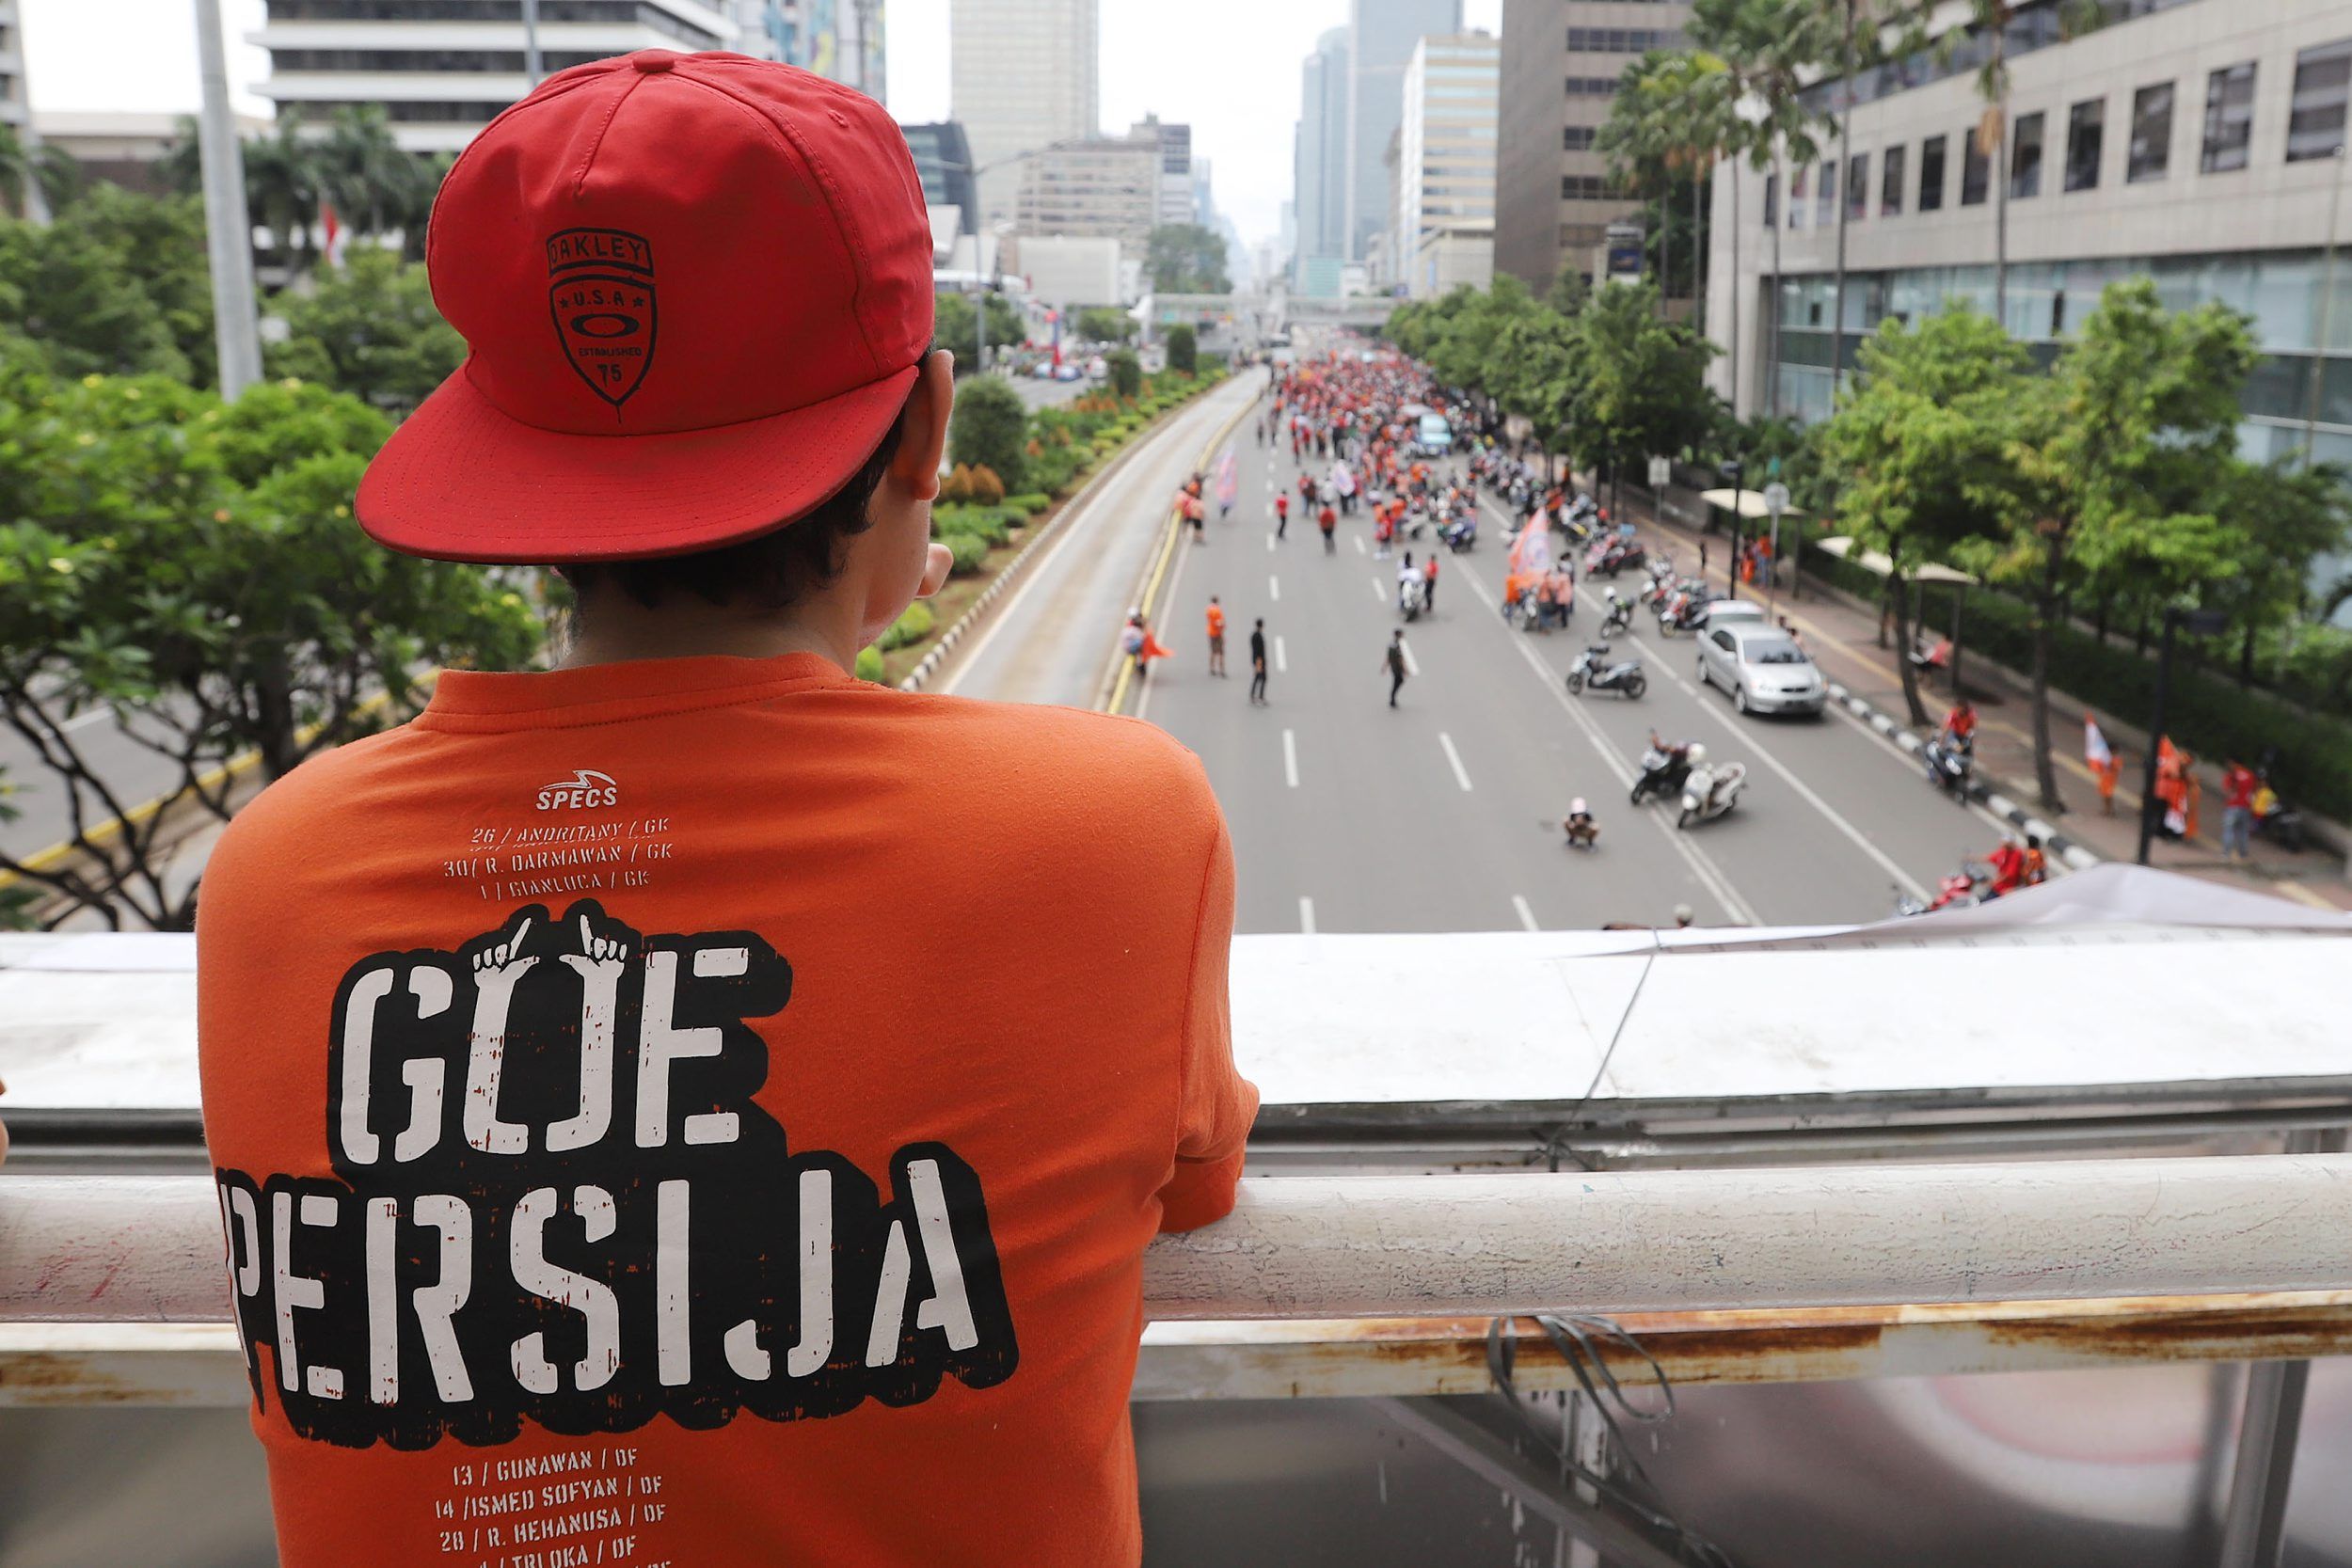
(1762, 668)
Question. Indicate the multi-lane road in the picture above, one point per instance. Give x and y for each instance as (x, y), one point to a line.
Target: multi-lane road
(1441, 813)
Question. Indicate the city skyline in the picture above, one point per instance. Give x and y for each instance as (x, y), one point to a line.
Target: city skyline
(1241, 99)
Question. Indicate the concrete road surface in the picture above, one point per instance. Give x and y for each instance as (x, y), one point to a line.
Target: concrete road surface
(1441, 815)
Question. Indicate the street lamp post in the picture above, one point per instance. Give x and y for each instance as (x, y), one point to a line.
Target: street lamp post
(2202, 623)
(1737, 470)
(228, 226)
(533, 67)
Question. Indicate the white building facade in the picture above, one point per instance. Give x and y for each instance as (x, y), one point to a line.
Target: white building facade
(442, 70)
(2191, 141)
(1445, 217)
(1023, 74)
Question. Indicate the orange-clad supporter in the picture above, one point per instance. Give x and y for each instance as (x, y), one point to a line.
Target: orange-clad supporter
(690, 1105)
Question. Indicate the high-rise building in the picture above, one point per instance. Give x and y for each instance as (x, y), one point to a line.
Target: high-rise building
(840, 38)
(2196, 144)
(1024, 75)
(1561, 62)
(1101, 187)
(1445, 227)
(1319, 162)
(943, 160)
(1174, 145)
(1381, 36)
(442, 68)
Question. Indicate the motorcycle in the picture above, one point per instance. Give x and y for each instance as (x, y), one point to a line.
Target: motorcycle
(1613, 555)
(1951, 766)
(1620, 618)
(1412, 597)
(1462, 537)
(1686, 610)
(1593, 669)
(1663, 773)
(1711, 791)
(1962, 889)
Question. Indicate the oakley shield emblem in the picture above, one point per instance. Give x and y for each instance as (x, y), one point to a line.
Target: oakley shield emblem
(600, 294)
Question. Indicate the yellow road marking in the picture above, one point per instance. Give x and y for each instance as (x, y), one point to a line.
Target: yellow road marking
(1168, 553)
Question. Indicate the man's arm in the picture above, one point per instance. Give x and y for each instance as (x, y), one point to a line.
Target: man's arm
(1215, 1104)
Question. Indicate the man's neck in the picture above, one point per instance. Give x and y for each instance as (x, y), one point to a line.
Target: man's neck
(625, 631)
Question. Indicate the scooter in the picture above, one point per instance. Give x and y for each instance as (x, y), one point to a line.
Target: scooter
(1620, 618)
(1711, 791)
(1951, 766)
(1462, 537)
(1663, 773)
(1412, 597)
(1964, 889)
(1591, 670)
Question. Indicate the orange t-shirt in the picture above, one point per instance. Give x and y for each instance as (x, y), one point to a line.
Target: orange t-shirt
(712, 1111)
(1217, 620)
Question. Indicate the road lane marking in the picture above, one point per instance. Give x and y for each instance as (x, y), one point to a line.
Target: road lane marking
(1379, 589)
(1461, 774)
(1274, 587)
(1360, 542)
(1527, 916)
(1269, 541)
(1281, 658)
(1306, 915)
(1412, 665)
(1911, 766)
(1289, 758)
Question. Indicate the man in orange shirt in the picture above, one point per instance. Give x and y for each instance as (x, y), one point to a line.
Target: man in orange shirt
(667, 1106)
(1216, 636)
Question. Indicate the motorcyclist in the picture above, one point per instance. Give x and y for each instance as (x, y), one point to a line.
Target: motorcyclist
(2008, 864)
(1960, 725)
(1620, 612)
(1408, 579)
(1680, 757)
(1579, 825)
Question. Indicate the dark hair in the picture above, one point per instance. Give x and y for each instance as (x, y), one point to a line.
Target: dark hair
(770, 571)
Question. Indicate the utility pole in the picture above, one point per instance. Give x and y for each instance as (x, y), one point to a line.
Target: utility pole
(227, 227)
(533, 66)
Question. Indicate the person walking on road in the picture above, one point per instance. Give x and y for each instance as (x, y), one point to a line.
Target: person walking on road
(1327, 520)
(1429, 585)
(2238, 784)
(1393, 662)
(1257, 662)
(1282, 512)
(1216, 636)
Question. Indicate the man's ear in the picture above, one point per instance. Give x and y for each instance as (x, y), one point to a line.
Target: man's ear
(923, 436)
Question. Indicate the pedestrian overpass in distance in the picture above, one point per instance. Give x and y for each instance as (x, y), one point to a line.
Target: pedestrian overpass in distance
(1257, 316)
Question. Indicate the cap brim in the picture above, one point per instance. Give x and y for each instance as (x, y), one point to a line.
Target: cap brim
(461, 480)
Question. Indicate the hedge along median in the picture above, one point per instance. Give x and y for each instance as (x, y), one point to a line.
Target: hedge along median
(986, 528)
(2209, 713)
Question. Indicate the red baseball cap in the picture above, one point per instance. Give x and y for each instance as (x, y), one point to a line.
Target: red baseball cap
(696, 290)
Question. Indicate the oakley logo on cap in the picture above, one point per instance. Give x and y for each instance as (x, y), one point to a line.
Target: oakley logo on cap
(600, 293)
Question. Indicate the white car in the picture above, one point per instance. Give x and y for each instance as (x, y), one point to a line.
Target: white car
(1762, 668)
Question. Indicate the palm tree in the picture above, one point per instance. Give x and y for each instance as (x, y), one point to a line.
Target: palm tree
(36, 177)
(1656, 136)
(282, 186)
(1865, 40)
(372, 182)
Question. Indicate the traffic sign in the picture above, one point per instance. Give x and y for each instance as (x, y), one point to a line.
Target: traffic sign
(1777, 498)
(1662, 472)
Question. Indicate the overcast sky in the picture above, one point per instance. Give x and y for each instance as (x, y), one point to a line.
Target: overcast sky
(1228, 67)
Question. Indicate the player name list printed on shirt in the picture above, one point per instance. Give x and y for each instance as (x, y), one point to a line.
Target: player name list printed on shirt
(555, 1199)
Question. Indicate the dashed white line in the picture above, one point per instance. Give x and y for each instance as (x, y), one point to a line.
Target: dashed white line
(1379, 589)
(1274, 587)
(1269, 541)
(1527, 916)
(1360, 542)
(1281, 658)
(1412, 665)
(1461, 774)
(1306, 915)
(1289, 758)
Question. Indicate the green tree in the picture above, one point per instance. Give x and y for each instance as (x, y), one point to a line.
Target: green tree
(369, 329)
(1921, 447)
(284, 183)
(1640, 383)
(1104, 324)
(954, 329)
(1184, 349)
(1668, 122)
(991, 428)
(372, 182)
(194, 568)
(1186, 258)
(1126, 371)
(2287, 517)
(2120, 456)
(117, 285)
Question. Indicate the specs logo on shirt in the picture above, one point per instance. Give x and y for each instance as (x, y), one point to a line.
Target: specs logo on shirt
(555, 1199)
(585, 790)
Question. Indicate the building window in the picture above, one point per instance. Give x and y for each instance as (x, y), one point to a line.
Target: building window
(1578, 139)
(2323, 81)
(2229, 117)
(1796, 198)
(1891, 184)
(1858, 188)
(1931, 175)
(1621, 41)
(2151, 134)
(1825, 201)
(2025, 158)
(1772, 199)
(2086, 136)
(1975, 170)
(1585, 187)
(1592, 87)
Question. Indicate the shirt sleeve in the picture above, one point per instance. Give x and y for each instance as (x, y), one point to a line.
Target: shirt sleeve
(1216, 1105)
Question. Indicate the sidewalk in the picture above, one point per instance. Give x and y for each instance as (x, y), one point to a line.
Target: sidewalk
(1842, 636)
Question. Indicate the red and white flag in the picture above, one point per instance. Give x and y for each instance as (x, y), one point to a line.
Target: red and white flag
(2095, 750)
(337, 235)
